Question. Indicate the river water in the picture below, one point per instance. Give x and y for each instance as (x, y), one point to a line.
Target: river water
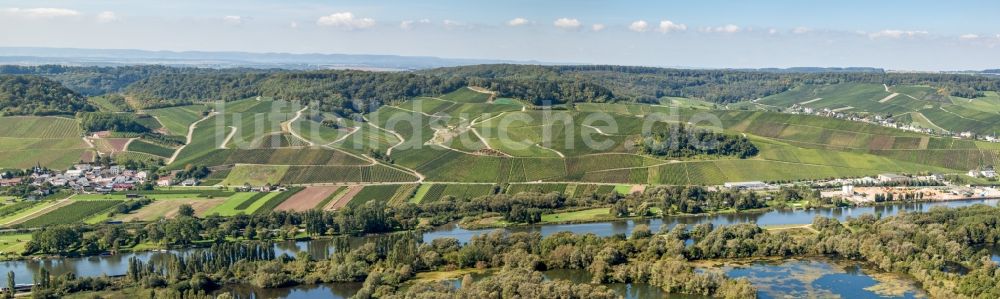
(118, 264)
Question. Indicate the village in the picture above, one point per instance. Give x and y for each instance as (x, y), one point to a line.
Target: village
(88, 178)
(889, 187)
(886, 122)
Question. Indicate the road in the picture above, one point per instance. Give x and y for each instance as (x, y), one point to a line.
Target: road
(190, 136)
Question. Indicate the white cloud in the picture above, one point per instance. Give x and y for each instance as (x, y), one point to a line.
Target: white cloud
(892, 33)
(639, 26)
(107, 17)
(669, 26)
(409, 24)
(723, 29)
(772, 31)
(969, 36)
(42, 12)
(801, 30)
(518, 22)
(566, 23)
(293, 25)
(452, 24)
(345, 20)
(597, 27)
(234, 20)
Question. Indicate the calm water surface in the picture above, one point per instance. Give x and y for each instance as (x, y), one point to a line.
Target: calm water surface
(118, 264)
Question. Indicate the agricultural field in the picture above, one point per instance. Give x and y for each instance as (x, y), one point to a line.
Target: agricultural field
(141, 146)
(50, 141)
(273, 200)
(237, 203)
(176, 120)
(378, 193)
(309, 198)
(862, 97)
(13, 243)
(990, 102)
(581, 215)
(539, 188)
(343, 198)
(433, 192)
(74, 211)
(168, 208)
(467, 95)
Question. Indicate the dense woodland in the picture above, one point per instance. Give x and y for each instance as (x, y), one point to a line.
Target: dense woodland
(32, 95)
(107, 121)
(649, 84)
(678, 140)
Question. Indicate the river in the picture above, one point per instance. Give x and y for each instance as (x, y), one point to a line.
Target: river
(117, 264)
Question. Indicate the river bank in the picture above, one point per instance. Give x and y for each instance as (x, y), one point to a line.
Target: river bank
(116, 264)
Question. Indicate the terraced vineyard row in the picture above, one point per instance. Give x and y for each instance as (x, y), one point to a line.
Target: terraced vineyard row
(541, 188)
(39, 127)
(336, 174)
(72, 213)
(382, 193)
(438, 191)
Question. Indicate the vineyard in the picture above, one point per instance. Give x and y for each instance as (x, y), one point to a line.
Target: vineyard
(71, 213)
(380, 193)
(39, 127)
(280, 156)
(540, 188)
(437, 191)
(136, 156)
(141, 146)
(585, 190)
(466, 95)
(177, 119)
(339, 174)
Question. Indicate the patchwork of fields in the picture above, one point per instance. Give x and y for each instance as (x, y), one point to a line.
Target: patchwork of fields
(465, 137)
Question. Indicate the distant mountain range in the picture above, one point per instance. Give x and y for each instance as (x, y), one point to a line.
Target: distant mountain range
(113, 57)
(206, 59)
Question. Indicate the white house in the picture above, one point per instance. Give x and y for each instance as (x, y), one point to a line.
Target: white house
(892, 177)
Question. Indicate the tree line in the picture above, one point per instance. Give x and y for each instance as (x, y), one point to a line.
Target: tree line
(928, 246)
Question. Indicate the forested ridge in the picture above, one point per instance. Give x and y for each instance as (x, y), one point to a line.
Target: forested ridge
(648, 84)
(348, 92)
(32, 95)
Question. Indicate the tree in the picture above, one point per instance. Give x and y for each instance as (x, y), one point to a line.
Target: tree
(185, 210)
(10, 285)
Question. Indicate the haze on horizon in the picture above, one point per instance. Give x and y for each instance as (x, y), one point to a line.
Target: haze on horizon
(900, 35)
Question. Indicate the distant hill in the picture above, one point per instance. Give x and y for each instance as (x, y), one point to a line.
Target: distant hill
(33, 95)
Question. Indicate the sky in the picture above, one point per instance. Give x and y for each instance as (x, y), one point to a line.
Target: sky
(898, 35)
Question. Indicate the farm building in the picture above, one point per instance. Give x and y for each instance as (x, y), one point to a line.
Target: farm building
(892, 178)
(987, 172)
(753, 185)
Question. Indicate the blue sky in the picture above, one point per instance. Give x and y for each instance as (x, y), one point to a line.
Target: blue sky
(905, 35)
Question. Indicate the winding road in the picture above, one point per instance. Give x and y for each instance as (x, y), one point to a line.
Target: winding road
(190, 136)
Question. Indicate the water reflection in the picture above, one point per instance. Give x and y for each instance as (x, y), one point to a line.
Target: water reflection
(764, 218)
(322, 248)
(822, 279)
(326, 290)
